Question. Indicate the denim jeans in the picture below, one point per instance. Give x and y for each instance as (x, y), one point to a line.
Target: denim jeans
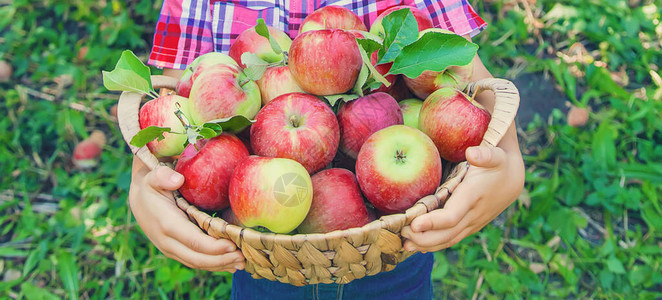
(409, 280)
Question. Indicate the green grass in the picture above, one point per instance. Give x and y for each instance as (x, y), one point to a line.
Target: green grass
(587, 225)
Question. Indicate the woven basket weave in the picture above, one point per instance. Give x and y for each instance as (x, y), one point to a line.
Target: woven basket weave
(339, 256)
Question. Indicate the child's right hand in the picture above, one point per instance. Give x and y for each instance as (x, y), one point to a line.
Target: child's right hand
(169, 228)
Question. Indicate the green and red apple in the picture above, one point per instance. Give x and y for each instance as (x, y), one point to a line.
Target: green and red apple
(250, 41)
(454, 122)
(223, 91)
(429, 81)
(199, 65)
(325, 62)
(396, 167)
(410, 110)
(337, 203)
(277, 81)
(208, 169)
(160, 112)
(275, 193)
(297, 126)
(332, 17)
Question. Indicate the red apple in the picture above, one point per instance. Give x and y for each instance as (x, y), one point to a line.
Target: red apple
(86, 152)
(161, 112)
(223, 91)
(199, 65)
(277, 81)
(399, 90)
(396, 167)
(332, 17)
(337, 203)
(453, 122)
(297, 126)
(207, 171)
(364, 116)
(275, 193)
(410, 111)
(228, 216)
(422, 19)
(251, 41)
(325, 62)
(454, 76)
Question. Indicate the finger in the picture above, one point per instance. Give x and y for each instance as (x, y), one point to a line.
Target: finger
(449, 243)
(193, 238)
(176, 250)
(164, 178)
(485, 156)
(454, 210)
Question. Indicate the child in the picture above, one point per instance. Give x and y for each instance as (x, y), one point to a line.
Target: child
(190, 28)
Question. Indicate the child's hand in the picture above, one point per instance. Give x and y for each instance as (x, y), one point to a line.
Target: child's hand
(493, 181)
(170, 229)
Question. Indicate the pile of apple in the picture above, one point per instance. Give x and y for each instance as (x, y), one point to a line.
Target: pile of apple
(277, 172)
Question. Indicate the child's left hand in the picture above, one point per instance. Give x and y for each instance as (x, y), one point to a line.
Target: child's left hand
(493, 182)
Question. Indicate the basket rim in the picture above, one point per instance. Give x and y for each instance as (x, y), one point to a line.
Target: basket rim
(505, 108)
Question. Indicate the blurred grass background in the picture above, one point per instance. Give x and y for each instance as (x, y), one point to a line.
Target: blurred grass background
(586, 226)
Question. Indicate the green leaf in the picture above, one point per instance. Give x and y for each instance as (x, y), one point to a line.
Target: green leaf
(333, 99)
(361, 80)
(231, 124)
(614, 265)
(7, 251)
(130, 74)
(373, 72)
(603, 146)
(400, 30)
(262, 29)
(255, 66)
(149, 134)
(369, 45)
(66, 268)
(434, 51)
(31, 291)
(208, 133)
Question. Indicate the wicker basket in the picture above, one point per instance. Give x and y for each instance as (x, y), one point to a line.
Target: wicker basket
(339, 256)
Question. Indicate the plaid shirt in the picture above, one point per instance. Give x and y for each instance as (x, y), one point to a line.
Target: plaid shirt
(187, 29)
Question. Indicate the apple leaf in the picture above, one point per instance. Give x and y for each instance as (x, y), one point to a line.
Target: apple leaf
(369, 45)
(373, 72)
(262, 29)
(333, 99)
(361, 80)
(130, 74)
(232, 124)
(255, 66)
(149, 134)
(434, 51)
(400, 29)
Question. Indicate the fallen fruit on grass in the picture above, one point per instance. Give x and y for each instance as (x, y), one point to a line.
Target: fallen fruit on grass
(274, 193)
(87, 152)
(5, 71)
(454, 122)
(577, 116)
(208, 169)
(396, 167)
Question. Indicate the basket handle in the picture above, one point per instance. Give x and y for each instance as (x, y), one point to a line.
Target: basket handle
(506, 103)
(128, 107)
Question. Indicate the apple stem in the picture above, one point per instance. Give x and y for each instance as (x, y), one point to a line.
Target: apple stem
(180, 115)
(294, 121)
(244, 82)
(400, 156)
(285, 59)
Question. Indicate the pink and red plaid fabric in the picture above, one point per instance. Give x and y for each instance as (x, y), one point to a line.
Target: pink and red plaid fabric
(187, 29)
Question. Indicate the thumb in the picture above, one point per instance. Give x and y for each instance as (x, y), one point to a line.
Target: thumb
(164, 178)
(485, 156)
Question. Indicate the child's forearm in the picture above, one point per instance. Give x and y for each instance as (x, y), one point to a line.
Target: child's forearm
(173, 73)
